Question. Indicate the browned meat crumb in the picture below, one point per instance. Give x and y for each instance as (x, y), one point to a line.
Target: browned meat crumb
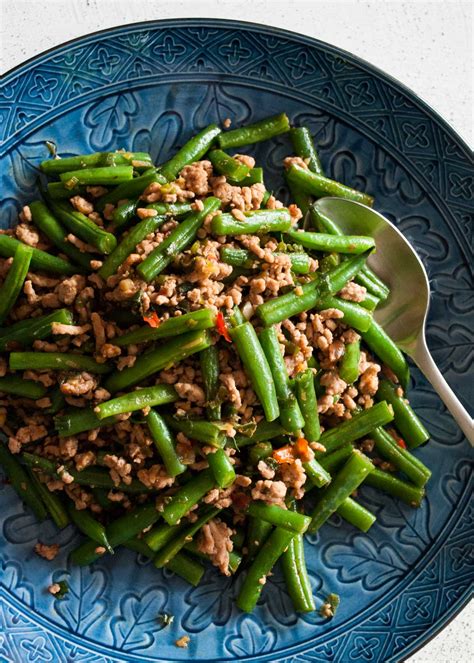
(81, 205)
(45, 551)
(215, 540)
(55, 588)
(183, 642)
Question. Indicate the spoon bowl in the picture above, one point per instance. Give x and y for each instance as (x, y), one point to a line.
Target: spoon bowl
(404, 314)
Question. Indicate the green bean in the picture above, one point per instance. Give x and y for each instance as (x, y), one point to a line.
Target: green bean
(354, 315)
(177, 241)
(210, 370)
(352, 474)
(382, 345)
(105, 175)
(300, 262)
(166, 355)
(166, 554)
(118, 532)
(198, 429)
(125, 212)
(21, 482)
(98, 159)
(290, 520)
(304, 147)
(89, 526)
(237, 317)
(187, 496)
(40, 260)
(308, 402)
(269, 553)
(57, 399)
(370, 301)
(226, 165)
(319, 186)
(58, 361)
(296, 574)
(80, 225)
(159, 536)
(265, 430)
(292, 303)
(256, 222)
(194, 321)
(255, 176)
(349, 366)
(14, 280)
(50, 227)
(129, 244)
(57, 191)
(256, 366)
(333, 461)
(404, 491)
(102, 499)
(234, 557)
(354, 244)
(402, 459)
(129, 189)
(356, 514)
(26, 332)
(255, 133)
(13, 384)
(78, 421)
(360, 425)
(182, 565)
(291, 416)
(171, 209)
(164, 443)
(159, 394)
(257, 533)
(221, 468)
(409, 425)
(300, 198)
(316, 473)
(260, 451)
(192, 151)
(51, 500)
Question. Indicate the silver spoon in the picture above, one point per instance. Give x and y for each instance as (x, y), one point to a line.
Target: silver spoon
(404, 314)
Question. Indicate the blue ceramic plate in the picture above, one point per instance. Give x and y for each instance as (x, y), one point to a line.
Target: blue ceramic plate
(149, 87)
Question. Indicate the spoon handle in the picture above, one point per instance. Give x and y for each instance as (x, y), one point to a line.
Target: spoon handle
(425, 363)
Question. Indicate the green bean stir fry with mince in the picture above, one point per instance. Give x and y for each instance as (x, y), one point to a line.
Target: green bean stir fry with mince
(190, 368)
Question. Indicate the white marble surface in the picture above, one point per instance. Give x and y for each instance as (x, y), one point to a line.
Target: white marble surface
(426, 45)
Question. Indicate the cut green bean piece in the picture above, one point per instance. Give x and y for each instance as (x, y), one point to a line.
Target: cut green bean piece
(105, 175)
(290, 520)
(182, 565)
(349, 366)
(354, 244)
(300, 262)
(161, 534)
(129, 244)
(256, 222)
(89, 526)
(57, 191)
(316, 473)
(355, 316)
(96, 160)
(319, 186)
(130, 189)
(291, 416)
(166, 554)
(308, 402)
(356, 514)
(20, 482)
(49, 226)
(14, 280)
(16, 386)
(40, 260)
(265, 430)
(168, 354)
(51, 500)
(55, 361)
(226, 165)
(404, 491)
(221, 468)
(159, 394)
(360, 425)
(409, 425)
(177, 241)
(25, 332)
(207, 432)
(194, 321)
(352, 474)
(192, 151)
(268, 555)
(164, 443)
(259, 451)
(210, 371)
(84, 228)
(255, 176)
(187, 496)
(333, 461)
(304, 148)
(257, 533)
(78, 421)
(256, 366)
(402, 459)
(255, 133)
(382, 345)
(370, 301)
(296, 575)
